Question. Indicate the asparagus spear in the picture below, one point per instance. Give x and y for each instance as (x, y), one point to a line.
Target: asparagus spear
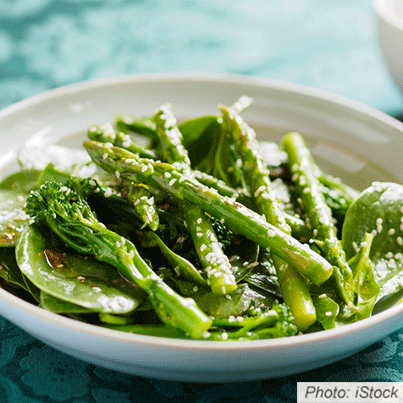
(293, 285)
(69, 216)
(305, 175)
(107, 134)
(218, 269)
(237, 217)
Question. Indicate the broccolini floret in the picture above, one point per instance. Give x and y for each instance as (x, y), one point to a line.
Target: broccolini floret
(68, 214)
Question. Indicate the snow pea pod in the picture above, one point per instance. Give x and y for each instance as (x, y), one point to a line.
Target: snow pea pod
(73, 278)
(57, 305)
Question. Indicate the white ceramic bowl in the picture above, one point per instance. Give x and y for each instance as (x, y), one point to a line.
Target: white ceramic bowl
(347, 139)
(390, 35)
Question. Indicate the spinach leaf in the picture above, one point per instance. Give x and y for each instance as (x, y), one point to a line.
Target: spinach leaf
(378, 211)
(222, 306)
(327, 310)
(13, 193)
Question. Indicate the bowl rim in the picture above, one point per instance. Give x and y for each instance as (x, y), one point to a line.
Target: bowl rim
(384, 10)
(186, 344)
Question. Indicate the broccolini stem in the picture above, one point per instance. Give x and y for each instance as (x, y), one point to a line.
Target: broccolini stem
(107, 134)
(305, 176)
(238, 218)
(213, 259)
(219, 185)
(70, 217)
(293, 286)
(142, 126)
(140, 197)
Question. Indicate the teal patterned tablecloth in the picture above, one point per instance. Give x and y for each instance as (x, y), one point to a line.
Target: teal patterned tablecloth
(327, 44)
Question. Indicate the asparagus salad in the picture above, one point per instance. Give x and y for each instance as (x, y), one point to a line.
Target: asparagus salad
(197, 230)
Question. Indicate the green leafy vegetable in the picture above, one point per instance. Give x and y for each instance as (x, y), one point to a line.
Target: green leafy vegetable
(378, 211)
(197, 230)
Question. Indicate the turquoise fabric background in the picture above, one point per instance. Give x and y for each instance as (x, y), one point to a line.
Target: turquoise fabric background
(327, 44)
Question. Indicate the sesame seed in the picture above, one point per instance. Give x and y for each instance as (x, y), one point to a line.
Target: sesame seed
(224, 335)
(105, 156)
(117, 173)
(391, 231)
(171, 182)
(302, 180)
(203, 247)
(259, 191)
(392, 264)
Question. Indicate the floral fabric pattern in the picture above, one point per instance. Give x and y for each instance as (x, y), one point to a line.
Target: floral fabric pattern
(330, 45)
